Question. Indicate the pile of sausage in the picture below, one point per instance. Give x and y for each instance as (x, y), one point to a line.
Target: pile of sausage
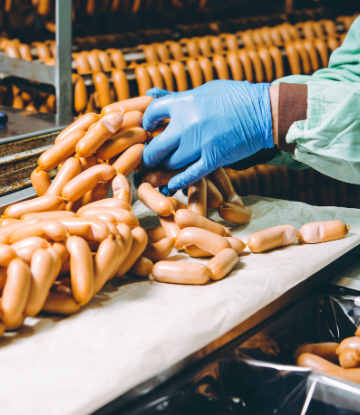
(326, 357)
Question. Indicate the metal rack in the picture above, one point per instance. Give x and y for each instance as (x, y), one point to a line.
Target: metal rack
(59, 76)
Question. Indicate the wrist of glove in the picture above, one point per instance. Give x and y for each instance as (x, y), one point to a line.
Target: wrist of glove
(212, 126)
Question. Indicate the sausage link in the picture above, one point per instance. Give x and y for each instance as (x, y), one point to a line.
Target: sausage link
(167, 76)
(81, 124)
(7, 254)
(246, 63)
(40, 180)
(70, 169)
(61, 151)
(121, 215)
(102, 87)
(256, 62)
(47, 229)
(204, 46)
(221, 66)
(94, 61)
(217, 44)
(155, 201)
(171, 229)
(80, 94)
(235, 213)
(87, 162)
(12, 51)
(4, 239)
(160, 177)
(86, 181)
(59, 303)
(321, 47)
(82, 63)
(62, 251)
(349, 358)
(315, 362)
(196, 252)
(133, 104)
(207, 68)
(156, 234)
(181, 272)
(81, 269)
(118, 59)
(156, 76)
(126, 237)
(271, 238)
(235, 66)
(88, 228)
(131, 119)
(178, 70)
(236, 244)
(175, 49)
(265, 57)
(122, 189)
(44, 203)
(100, 191)
(293, 58)
(204, 239)
(316, 232)
(9, 221)
(197, 197)
(121, 84)
(177, 204)
(222, 263)
(186, 218)
(120, 142)
(223, 183)
(104, 60)
(350, 342)
(142, 268)
(139, 242)
(214, 197)
(304, 58)
(158, 251)
(143, 79)
(16, 291)
(310, 49)
(106, 203)
(108, 125)
(195, 72)
(150, 53)
(26, 247)
(129, 160)
(192, 48)
(325, 350)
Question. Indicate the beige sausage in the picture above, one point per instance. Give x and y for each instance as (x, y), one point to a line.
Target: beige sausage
(326, 350)
(159, 250)
(271, 238)
(214, 197)
(44, 203)
(26, 247)
(48, 215)
(155, 201)
(131, 119)
(71, 168)
(197, 197)
(120, 142)
(156, 234)
(315, 362)
(121, 215)
(126, 237)
(160, 177)
(186, 218)
(121, 84)
(49, 230)
(108, 125)
(88, 228)
(222, 263)
(350, 342)
(133, 104)
(315, 232)
(129, 159)
(122, 189)
(87, 162)
(177, 204)
(81, 269)
(102, 87)
(81, 124)
(59, 303)
(143, 79)
(62, 251)
(235, 213)
(99, 192)
(208, 241)
(181, 272)
(223, 183)
(171, 229)
(139, 242)
(40, 180)
(196, 252)
(9, 221)
(86, 181)
(16, 291)
(106, 203)
(236, 244)
(142, 268)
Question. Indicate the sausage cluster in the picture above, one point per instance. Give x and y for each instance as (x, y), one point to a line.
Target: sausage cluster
(341, 360)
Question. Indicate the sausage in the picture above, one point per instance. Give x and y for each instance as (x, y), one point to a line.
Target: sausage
(192, 47)
(217, 44)
(88, 228)
(47, 229)
(223, 183)
(94, 61)
(160, 177)
(195, 72)
(121, 215)
(81, 269)
(16, 291)
(178, 70)
(139, 242)
(222, 263)
(60, 151)
(87, 162)
(171, 229)
(106, 203)
(197, 197)
(62, 251)
(181, 272)
(304, 58)
(121, 84)
(81, 124)
(235, 213)
(4, 239)
(175, 49)
(106, 262)
(44, 203)
(186, 218)
(18, 103)
(6, 231)
(278, 61)
(40, 180)
(80, 94)
(43, 275)
(126, 237)
(122, 189)
(131, 119)
(357, 332)
(204, 239)
(8, 221)
(236, 244)
(12, 51)
(221, 66)
(214, 197)
(118, 59)
(349, 358)
(315, 362)
(177, 204)
(156, 234)
(99, 192)
(350, 342)
(332, 43)
(162, 51)
(271, 238)
(142, 268)
(104, 60)
(246, 64)
(207, 68)
(167, 76)
(156, 77)
(7, 254)
(82, 63)
(70, 169)
(293, 58)
(310, 49)
(108, 125)
(325, 350)
(143, 79)
(129, 159)
(86, 181)
(235, 66)
(196, 252)
(102, 87)
(315, 232)
(59, 303)
(265, 57)
(121, 141)
(159, 250)
(150, 53)
(155, 201)
(133, 104)
(26, 247)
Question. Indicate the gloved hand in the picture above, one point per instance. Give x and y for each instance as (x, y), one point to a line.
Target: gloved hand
(211, 126)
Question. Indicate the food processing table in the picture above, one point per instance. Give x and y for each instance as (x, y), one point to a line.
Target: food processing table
(135, 334)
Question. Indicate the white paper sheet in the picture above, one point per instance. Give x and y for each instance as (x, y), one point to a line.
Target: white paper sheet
(132, 329)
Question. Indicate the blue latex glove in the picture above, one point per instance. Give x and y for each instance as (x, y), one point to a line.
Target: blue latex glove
(211, 126)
